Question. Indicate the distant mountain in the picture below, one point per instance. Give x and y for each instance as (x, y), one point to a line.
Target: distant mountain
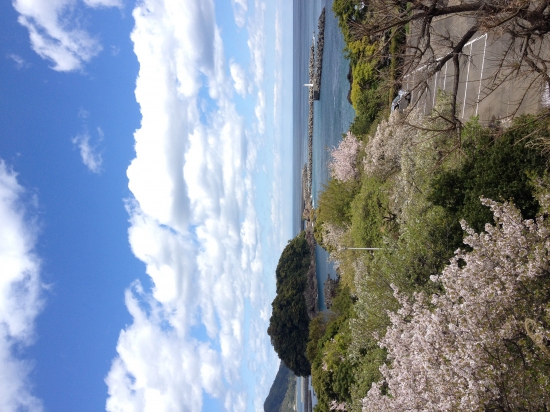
(284, 381)
(289, 403)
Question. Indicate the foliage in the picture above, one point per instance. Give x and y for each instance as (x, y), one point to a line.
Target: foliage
(500, 168)
(334, 206)
(367, 107)
(289, 322)
(421, 176)
(364, 79)
(428, 234)
(343, 164)
(346, 11)
(417, 237)
(426, 244)
(541, 135)
(332, 371)
(361, 51)
(366, 370)
(365, 96)
(398, 41)
(468, 349)
(317, 329)
(371, 217)
(278, 389)
(330, 236)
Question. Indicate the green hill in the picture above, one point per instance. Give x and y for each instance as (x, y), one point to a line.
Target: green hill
(289, 323)
(282, 393)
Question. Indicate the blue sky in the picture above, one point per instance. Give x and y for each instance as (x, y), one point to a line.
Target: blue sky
(144, 201)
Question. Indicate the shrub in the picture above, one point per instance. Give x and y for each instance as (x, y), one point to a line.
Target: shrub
(367, 107)
(317, 329)
(500, 168)
(332, 370)
(346, 10)
(335, 202)
(370, 215)
(468, 349)
(363, 79)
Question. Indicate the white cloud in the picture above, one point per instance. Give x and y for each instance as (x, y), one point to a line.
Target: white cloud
(20, 291)
(278, 33)
(240, 7)
(239, 78)
(193, 224)
(55, 33)
(159, 370)
(259, 111)
(277, 206)
(20, 62)
(256, 43)
(115, 50)
(104, 3)
(83, 114)
(88, 151)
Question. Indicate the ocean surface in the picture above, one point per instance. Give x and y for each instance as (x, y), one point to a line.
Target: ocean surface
(332, 116)
(332, 113)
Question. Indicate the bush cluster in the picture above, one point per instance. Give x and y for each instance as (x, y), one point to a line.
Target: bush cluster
(413, 210)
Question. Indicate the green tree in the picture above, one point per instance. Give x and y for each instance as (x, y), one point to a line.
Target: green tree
(332, 371)
(289, 323)
(499, 168)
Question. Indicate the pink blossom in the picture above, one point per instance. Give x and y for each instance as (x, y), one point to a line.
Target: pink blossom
(336, 406)
(343, 165)
(467, 349)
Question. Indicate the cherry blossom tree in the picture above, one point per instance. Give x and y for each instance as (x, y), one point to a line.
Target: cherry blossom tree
(469, 349)
(337, 406)
(384, 149)
(343, 165)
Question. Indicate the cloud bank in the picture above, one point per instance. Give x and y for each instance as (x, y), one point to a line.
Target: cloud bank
(20, 291)
(194, 223)
(55, 32)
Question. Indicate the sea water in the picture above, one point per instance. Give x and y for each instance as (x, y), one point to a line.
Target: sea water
(332, 112)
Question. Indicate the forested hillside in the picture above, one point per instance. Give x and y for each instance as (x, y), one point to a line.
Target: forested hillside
(289, 323)
(283, 381)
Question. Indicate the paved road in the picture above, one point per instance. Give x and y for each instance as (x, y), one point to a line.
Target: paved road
(478, 66)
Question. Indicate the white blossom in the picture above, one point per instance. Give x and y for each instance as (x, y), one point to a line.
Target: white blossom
(338, 406)
(343, 165)
(467, 349)
(383, 151)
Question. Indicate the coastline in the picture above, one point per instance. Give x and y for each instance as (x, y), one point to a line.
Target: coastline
(315, 70)
(320, 63)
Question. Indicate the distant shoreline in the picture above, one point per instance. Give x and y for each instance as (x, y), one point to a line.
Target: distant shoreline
(315, 71)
